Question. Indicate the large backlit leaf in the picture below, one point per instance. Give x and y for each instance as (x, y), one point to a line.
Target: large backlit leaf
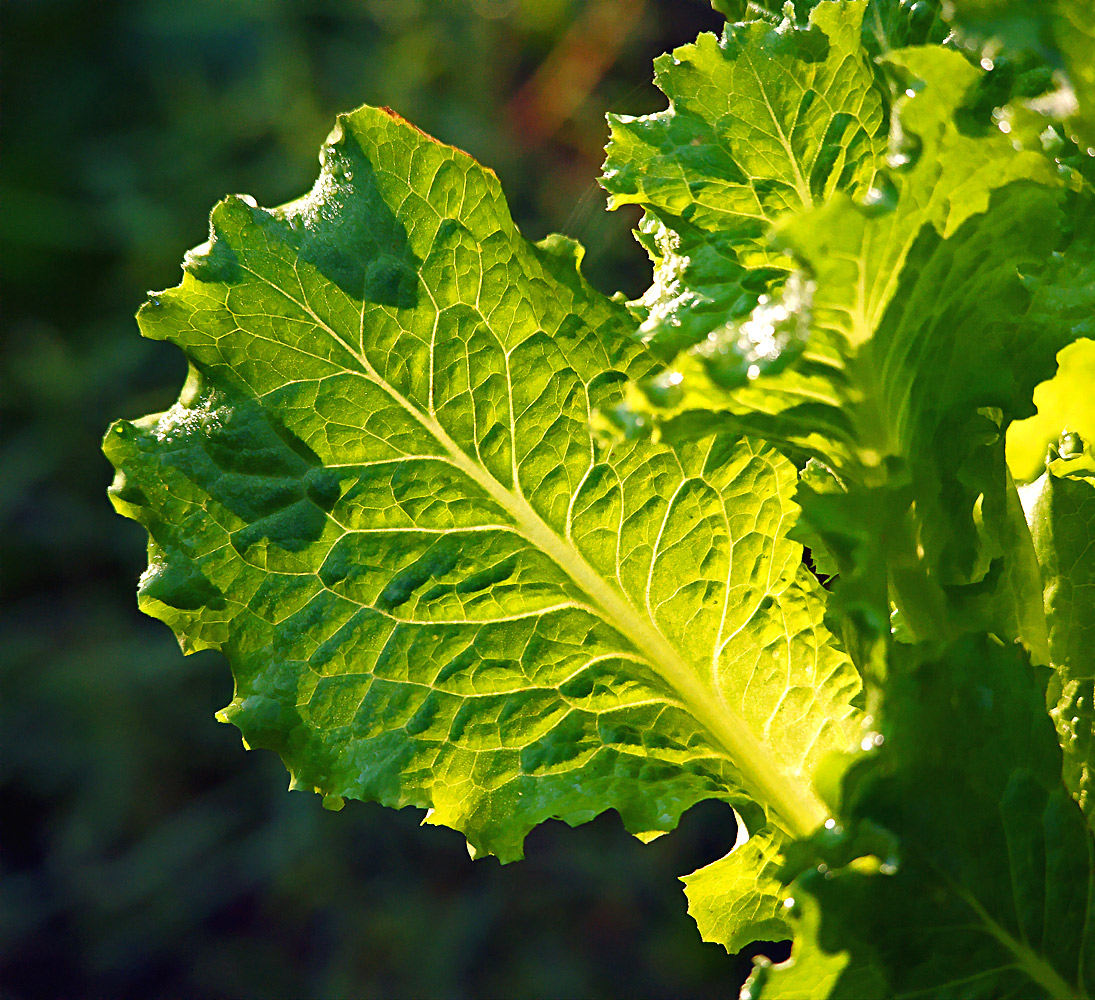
(379, 495)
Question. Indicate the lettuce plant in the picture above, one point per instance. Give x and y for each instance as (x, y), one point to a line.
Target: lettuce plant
(478, 539)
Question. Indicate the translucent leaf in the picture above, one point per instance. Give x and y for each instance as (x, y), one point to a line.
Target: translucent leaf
(765, 120)
(380, 496)
(1061, 512)
(739, 898)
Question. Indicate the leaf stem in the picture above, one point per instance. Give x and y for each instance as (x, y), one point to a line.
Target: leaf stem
(1033, 964)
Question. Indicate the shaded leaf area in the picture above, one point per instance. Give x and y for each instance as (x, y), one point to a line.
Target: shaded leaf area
(1061, 510)
(1060, 32)
(764, 120)
(380, 496)
(902, 900)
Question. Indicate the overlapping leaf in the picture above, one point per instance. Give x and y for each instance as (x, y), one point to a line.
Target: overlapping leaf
(920, 344)
(739, 898)
(379, 494)
(964, 867)
(887, 24)
(1062, 32)
(1061, 511)
(765, 120)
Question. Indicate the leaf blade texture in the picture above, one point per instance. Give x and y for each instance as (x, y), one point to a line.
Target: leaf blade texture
(379, 494)
(762, 121)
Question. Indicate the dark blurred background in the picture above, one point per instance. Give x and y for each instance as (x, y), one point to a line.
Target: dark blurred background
(142, 852)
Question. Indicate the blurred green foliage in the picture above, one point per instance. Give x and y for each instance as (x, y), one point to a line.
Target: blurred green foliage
(142, 853)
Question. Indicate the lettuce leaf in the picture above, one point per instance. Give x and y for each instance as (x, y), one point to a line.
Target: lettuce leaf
(380, 496)
(766, 120)
(960, 865)
(1060, 507)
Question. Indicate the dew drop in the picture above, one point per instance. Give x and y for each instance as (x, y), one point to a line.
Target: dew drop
(249, 201)
(830, 823)
(664, 390)
(1070, 445)
(789, 902)
(905, 150)
(987, 64)
(871, 741)
(882, 196)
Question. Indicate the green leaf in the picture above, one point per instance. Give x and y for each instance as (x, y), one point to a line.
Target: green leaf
(924, 339)
(767, 119)
(739, 898)
(379, 495)
(1065, 403)
(1060, 31)
(888, 24)
(812, 973)
(962, 867)
(1061, 512)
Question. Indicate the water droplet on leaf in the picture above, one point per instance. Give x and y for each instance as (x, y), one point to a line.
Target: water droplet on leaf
(871, 741)
(905, 150)
(771, 337)
(882, 196)
(1070, 445)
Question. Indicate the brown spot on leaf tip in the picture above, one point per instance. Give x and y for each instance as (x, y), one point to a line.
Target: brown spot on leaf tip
(400, 120)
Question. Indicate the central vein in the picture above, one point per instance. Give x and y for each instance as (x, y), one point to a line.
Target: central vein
(796, 808)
